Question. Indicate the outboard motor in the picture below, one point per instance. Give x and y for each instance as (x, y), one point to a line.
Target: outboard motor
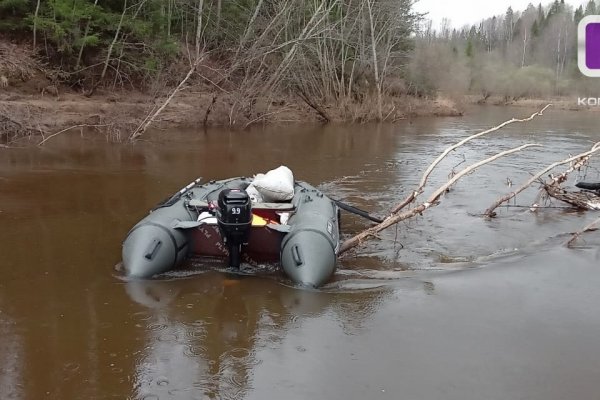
(234, 217)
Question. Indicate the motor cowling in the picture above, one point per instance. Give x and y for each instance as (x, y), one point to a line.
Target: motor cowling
(234, 217)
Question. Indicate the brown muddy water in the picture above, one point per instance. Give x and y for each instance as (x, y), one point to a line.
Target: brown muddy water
(446, 306)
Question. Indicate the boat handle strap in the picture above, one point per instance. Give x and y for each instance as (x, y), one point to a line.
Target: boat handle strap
(296, 255)
(152, 249)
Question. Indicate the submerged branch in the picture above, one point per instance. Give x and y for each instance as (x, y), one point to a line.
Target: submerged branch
(587, 228)
(432, 166)
(577, 160)
(433, 200)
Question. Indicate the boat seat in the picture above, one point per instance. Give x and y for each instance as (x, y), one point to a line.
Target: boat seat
(257, 206)
(273, 206)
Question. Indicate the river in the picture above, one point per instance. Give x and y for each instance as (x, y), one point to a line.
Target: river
(446, 306)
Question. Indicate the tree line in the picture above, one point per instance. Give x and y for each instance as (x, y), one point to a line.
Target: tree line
(323, 50)
(529, 53)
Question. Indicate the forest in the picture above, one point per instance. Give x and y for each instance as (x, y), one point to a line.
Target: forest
(521, 54)
(356, 60)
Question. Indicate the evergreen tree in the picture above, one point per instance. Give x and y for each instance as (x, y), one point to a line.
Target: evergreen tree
(579, 13)
(469, 49)
(590, 8)
(556, 8)
(541, 17)
(535, 29)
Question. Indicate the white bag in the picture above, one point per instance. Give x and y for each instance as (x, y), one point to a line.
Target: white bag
(255, 196)
(275, 185)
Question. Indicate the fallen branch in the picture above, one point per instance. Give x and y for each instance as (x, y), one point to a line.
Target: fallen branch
(263, 116)
(553, 184)
(583, 200)
(588, 228)
(151, 117)
(45, 139)
(431, 167)
(578, 159)
(433, 200)
(322, 113)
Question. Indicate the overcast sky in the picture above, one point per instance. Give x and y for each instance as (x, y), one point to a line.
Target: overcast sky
(462, 12)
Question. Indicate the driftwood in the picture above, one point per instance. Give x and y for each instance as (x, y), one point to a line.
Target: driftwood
(583, 200)
(412, 197)
(433, 200)
(577, 162)
(588, 228)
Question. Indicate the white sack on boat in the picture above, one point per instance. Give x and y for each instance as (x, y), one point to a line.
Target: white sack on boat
(255, 196)
(275, 185)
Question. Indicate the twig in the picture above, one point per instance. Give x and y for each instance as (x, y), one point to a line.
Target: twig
(394, 218)
(587, 228)
(419, 189)
(262, 116)
(578, 159)
(44, 140)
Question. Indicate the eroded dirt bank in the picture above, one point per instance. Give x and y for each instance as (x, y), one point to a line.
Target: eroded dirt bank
(36, 101)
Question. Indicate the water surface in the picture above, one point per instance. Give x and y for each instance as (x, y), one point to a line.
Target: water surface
(446, 306)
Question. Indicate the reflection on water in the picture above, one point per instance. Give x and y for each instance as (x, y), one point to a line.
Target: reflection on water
(11, 361)
(202, 334)
(71, 329)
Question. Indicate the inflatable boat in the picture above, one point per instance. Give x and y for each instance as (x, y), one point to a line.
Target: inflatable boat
(231, 220)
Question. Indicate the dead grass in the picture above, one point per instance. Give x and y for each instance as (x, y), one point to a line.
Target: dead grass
(16, 63)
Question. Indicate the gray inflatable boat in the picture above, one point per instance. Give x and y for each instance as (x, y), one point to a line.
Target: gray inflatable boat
(217, 220)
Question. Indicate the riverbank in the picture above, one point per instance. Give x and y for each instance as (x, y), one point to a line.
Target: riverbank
(567, 103)
(57, 108)
(34, 102)
(119, 113)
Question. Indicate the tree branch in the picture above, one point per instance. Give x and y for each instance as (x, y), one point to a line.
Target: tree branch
(150, 118)
(44, 140)
(587, 228)
(578, 159)
(394, 218)
(432, 166)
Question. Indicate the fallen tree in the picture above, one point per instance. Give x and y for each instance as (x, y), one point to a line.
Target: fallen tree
(396, 215)
(415, 193)
(576, 161)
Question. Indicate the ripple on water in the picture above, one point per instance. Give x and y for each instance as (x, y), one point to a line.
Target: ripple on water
(162, 381)
(71, 367)
(141, 316)
(157, 327)
(167, 337)
(195, 333)
(238, 352)
(194, 351)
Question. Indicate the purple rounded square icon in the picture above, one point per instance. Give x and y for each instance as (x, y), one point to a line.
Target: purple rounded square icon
(589, 46)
